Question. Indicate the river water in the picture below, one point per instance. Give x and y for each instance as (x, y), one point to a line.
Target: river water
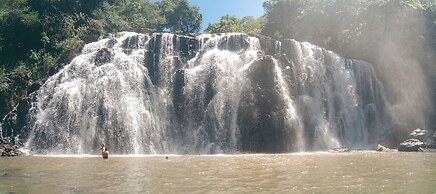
(353, 172)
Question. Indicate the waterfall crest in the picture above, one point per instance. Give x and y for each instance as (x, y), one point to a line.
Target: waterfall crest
(230, 93)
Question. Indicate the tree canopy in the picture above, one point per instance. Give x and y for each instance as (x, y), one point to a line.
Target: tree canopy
(180, 16)
(229, 23)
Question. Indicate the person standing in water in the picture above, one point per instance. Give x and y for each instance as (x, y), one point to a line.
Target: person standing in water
(104, 151)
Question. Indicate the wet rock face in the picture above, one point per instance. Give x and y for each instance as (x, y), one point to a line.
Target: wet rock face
(132, 43)
(269, 45)
(234, 43)
(411, 145)
(262, 126)
(103, 56)
(13, 123)
(188, 46)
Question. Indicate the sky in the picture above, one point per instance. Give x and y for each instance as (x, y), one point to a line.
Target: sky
(212, 10)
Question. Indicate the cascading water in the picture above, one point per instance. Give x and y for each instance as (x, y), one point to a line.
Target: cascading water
(229, 93)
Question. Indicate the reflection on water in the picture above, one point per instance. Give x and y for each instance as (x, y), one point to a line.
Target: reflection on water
(367, 172)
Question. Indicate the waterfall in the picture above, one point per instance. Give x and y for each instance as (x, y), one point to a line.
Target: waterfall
(226, 93)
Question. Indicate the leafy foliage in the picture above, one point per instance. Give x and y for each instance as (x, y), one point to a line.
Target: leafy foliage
(180, 16)
(136, 15)
(230, 23)
(19, 32)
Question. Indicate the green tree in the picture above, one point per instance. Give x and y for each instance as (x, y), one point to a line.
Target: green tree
(134, 15)
(142, 14)
(180, 16)
(19, 32)
(253, 25)
(281, 16)
(111, 18)
(229, 23)
(226, 24)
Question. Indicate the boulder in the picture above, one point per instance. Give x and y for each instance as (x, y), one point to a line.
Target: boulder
(426, 136)
(7, 149)
(433, 144)
(381, 148)
(111, 43)
(420, 134)
(411, 145)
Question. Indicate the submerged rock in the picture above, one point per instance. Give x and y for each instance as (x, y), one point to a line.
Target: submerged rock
(411, 145)
(342, 149)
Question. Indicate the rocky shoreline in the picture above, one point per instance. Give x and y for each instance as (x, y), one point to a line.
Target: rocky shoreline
(419, 140)
(8, 150)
